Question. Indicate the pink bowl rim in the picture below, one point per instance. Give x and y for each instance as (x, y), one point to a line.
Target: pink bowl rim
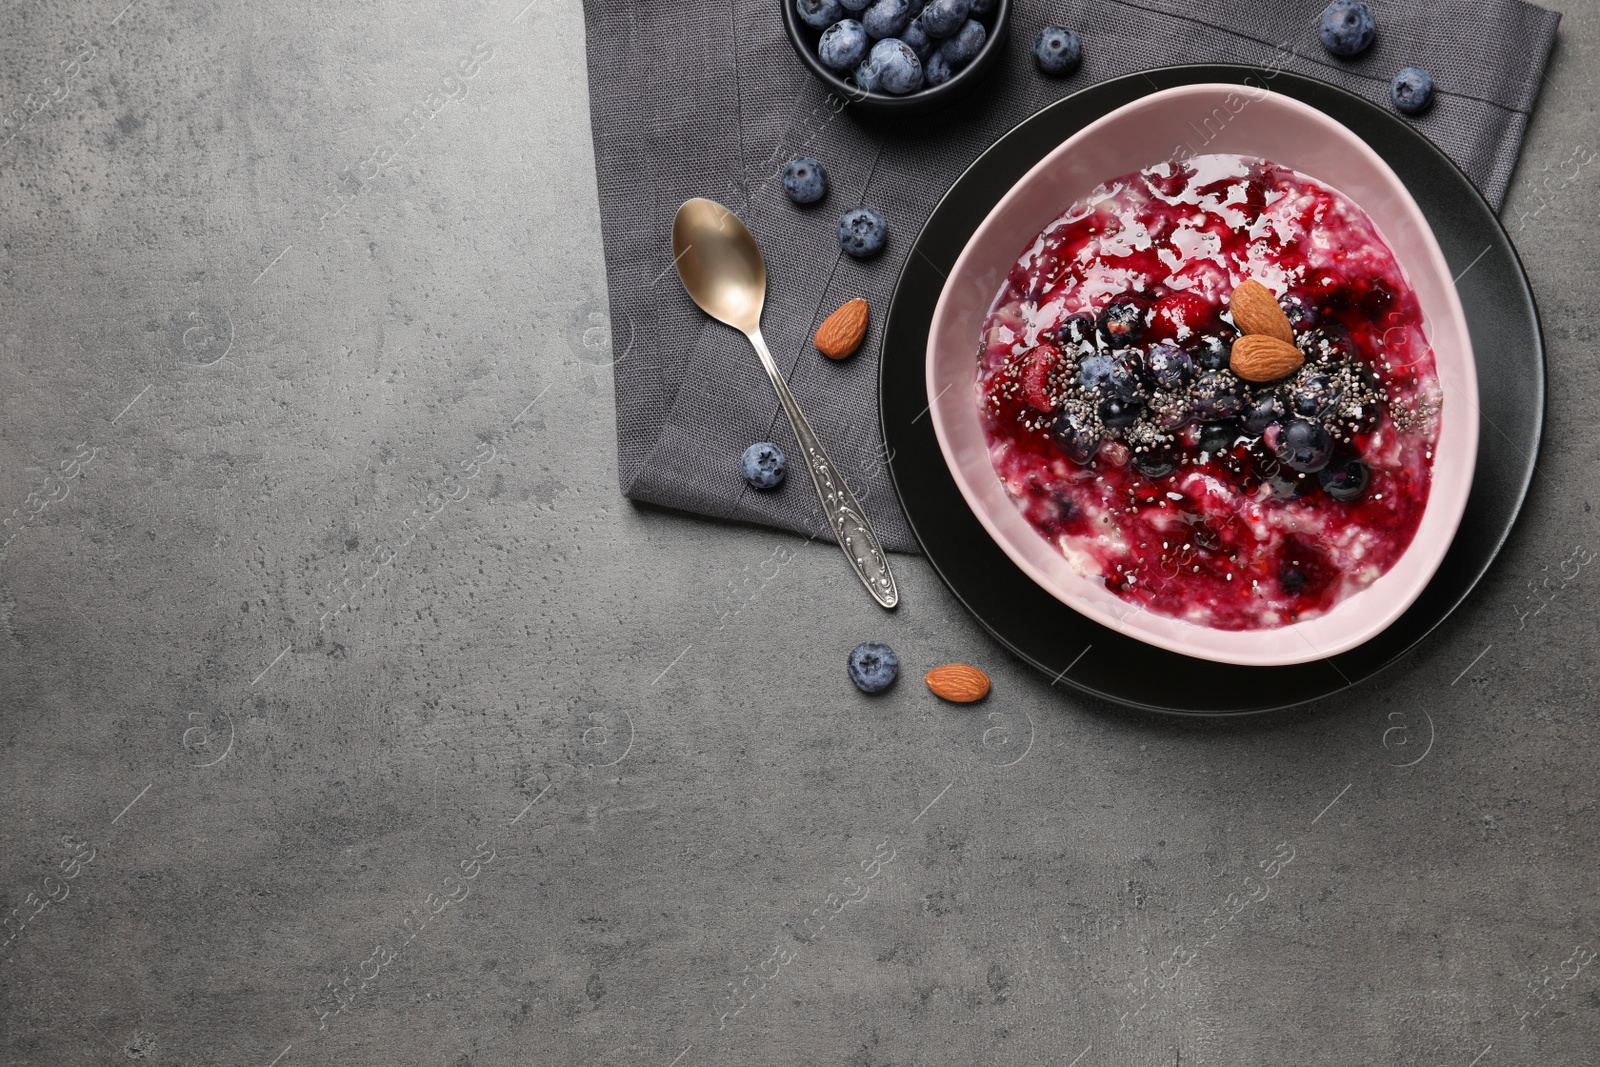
(1355, 620)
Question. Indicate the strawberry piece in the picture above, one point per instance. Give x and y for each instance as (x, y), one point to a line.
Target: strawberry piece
(1037, 363)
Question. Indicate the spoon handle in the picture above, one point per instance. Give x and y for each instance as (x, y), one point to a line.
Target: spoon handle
(839, 504)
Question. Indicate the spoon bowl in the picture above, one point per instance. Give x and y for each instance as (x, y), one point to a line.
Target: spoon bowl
(720, 265)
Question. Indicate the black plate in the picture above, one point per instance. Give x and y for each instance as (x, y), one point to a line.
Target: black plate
(1502, 319)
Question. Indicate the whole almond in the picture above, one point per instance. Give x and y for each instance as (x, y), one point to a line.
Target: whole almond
(1256, 311)
(1259, 358)
(958, 683)
(840, 333)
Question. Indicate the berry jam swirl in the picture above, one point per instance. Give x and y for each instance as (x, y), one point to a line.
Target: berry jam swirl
(1119, 430)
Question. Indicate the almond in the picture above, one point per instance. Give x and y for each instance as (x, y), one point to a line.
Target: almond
(840, 333)
(1256, 311)
(1259, 358)
(958, 682)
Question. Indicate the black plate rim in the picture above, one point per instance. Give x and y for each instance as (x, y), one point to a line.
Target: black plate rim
(1228, 72)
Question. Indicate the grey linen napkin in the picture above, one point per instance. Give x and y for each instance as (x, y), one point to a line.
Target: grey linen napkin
(709, 100)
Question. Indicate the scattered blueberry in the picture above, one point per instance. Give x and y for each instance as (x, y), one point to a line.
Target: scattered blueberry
(1077, 329)
(1075, 439)
(819, 14)
(917, 39)
(764, 465)
(805, 180)
(1262, 412)
(886, 18)
(1122, 322)
(1348, 28)
(843, 45)
(1168, 366)
(899, 69)
(937, 70)
(1218, 436)
(1157, 466)
(1345, 480)
(1302, 316)
(873, 666)
(942, 18)
(1059, 51)
(1217, 395)
(965, 45)
(862, 232)
(1303, 446)
(1118, 413)
(867, 78)
(1213, 351)
(1412, 90)
(1315, 394)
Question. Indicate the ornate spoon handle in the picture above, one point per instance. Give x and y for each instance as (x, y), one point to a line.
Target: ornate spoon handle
(839, 504)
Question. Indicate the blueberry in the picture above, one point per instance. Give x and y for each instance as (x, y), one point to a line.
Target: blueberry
(938, 70)
(886, 18)
(1262, 412)
(873, 666)
(1213, 351)
(942, 18)
(1118, 413)
(1412, 90)
(899, 69)
(1303, 446)
(1302, 316)
(962, 48)
(1109, 374)
(862, 232)
(1076, 330)
(1154, 466)
(1348, 28)
(764, 465)
(982, 7)
(1168, 367)
(1122, 322)
(1217, 395)
(1075, 439)
(1218, 436)
(1058, 51)
(1345, 480)
(805, 180)
(1315, 395)
(867, 78)
(855, 7)
(819, 14)
(843, 45)
(917, 39)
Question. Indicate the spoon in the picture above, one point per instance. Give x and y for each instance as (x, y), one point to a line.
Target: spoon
(723, 272)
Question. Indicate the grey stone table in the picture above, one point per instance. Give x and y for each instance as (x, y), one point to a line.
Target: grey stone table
(348, 715)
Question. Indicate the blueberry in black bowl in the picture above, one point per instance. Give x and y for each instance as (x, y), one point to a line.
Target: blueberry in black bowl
(940, 49)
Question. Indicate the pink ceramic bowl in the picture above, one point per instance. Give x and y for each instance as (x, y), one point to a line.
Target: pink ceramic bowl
(1206, 118)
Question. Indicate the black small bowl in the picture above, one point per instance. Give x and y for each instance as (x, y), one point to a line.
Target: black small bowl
(804, 39)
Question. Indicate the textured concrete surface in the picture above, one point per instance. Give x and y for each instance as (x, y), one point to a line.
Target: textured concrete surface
(349, 716)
